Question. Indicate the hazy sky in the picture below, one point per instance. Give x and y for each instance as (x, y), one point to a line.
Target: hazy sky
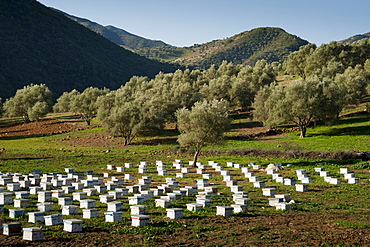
(188, 22)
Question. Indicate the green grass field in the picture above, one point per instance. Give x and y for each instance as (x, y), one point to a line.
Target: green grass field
(53, 153)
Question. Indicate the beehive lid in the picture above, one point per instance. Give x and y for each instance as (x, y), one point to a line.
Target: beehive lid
(32, 229)
(73, 221)
(140, 217)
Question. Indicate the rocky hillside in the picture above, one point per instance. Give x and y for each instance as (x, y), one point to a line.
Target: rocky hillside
(270, 44)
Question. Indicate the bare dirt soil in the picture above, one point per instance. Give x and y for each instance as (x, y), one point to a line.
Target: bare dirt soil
(39, 128)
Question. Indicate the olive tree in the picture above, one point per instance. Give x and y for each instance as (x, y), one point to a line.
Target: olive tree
(300, 102)
(64, 102)
(31, 102)
(353, 82)
(85, 103)
(127, 114)
(204, 124)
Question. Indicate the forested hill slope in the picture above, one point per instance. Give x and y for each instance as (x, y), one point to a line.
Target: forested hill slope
(117, 35)
(355, 38)
(270, 44)
(40, 45)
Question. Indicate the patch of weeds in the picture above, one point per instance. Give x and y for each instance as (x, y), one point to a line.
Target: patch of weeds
(152, 239)
(361, 165)
(354, 225)
(163, 227)
(207, 228)
(257, 229)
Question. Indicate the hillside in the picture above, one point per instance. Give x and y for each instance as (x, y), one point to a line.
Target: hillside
(117, 35)
(270, 44)
(355, 38)
(40, 45)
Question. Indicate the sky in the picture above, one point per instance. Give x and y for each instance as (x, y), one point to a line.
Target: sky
(188, 22)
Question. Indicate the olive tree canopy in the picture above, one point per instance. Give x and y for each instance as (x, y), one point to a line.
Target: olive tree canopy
(31, 102)
(204, 124)
(299, 102)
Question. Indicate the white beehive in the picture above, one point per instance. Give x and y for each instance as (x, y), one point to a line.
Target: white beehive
(68, 189)
(114, 206)
(129, 177)
(57, 193)
(64, 201)
(123, 191)
(46, 185)
(78, 186)
(204, 202)
(120, 168)
(101, 188)
(136, 200)
(268, 191)
(89, 213)
(236, 188)
(21, 203)
(113, 216)
(90, 191)
(301, 187)
(162, 202)
(259, 184)
(226, 211)
(13, 186)
(6, 198)
(239, 208)
(106, 198)
(34, 217)
(111, 167)
(73, 225)
(33, 234)
(288, 181)
(194, 206)
(157, 192)
(87, 203)
(22, 195)
(138, 209)
(324, 173)
(180, 175)
(128, 165)
(35, 189)
(70, 210)
(78, 196)
(55, 219)
(139, 220)
(242, 201)
(116, 194)
(69, 170)
(175, 213)
(16, 212)
(45, 206)
(353, 180)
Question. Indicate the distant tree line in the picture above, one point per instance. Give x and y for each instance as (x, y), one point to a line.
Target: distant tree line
(331, 77)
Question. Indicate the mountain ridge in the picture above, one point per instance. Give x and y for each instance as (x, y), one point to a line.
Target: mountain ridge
(117, 35)
(40, 45)
(269, 43)
(355, 38)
